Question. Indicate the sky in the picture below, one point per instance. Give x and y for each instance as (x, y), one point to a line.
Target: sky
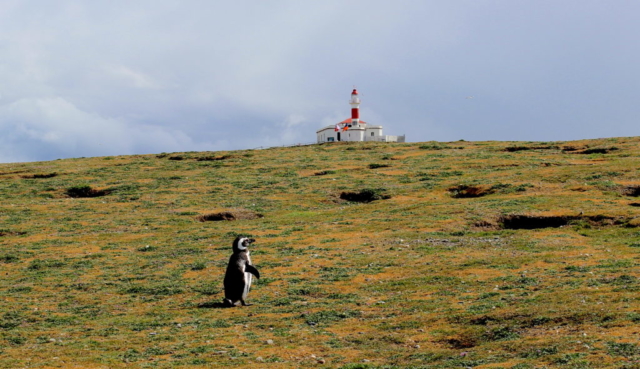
(96, 78)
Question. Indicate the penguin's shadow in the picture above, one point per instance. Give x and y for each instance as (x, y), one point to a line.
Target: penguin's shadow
(212, 305)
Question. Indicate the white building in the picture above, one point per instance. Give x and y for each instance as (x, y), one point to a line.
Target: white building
(354, 129)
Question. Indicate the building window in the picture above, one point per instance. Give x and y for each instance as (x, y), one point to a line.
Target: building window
(372, 134)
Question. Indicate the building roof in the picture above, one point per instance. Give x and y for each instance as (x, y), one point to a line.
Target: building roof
(348, 120)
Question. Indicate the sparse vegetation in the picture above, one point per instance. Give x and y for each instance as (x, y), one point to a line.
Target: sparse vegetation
(465, 254)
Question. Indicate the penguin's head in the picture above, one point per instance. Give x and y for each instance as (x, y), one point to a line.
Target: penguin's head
(241, 243)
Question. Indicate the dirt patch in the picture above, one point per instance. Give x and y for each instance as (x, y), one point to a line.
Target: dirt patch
(572, 148)
(519, 221)
(324, 172)
(376, 166)
(366, 195)
(525, 148)
(465, 340)
(516, 221)
(229, 215)
(467, 191)
(39, 175)
(85, 191)
(588, 150)
(214, 158)
(13, 172)
(4, 232)
(632, 190)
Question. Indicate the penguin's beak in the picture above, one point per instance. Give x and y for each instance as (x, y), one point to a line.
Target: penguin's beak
(251, 240)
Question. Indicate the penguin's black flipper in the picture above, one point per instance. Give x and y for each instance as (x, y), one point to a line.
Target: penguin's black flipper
(251, 269)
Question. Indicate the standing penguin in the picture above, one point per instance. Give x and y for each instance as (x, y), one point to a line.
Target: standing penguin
(237, 280)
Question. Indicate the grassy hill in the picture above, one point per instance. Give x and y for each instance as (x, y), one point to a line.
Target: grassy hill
(434, 255)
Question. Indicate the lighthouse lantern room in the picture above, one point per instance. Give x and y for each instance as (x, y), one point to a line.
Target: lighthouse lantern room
(354, 129)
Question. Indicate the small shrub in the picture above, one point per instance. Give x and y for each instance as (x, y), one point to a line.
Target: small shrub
(124, 189)
(147, 248)
(501, 334)
(198, 266)
(20, 289)
(131, 355)
(45, 263)
(572, 358)
(624, 349)
(10, 320)
(8, 259)
(16, 340)
(432, 147)
(536, 353)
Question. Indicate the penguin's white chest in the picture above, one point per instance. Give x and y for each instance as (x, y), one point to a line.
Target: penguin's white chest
(248, 278)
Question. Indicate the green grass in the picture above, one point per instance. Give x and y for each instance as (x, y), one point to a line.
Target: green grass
(402, 273)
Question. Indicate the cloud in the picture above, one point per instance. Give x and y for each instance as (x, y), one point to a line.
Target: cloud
(33, 127)
(199, 74)
(136, 79)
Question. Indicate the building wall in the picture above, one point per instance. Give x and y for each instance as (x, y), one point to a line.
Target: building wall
(392, 138)
(373, 133)
(353, 134)
(327, 134)
(370, 133)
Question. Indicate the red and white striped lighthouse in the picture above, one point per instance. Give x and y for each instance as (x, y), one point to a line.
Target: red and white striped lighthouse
(355, 106)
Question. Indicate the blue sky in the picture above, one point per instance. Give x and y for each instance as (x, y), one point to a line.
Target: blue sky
(80, 78)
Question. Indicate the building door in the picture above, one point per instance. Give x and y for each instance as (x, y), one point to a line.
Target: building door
(338, 136)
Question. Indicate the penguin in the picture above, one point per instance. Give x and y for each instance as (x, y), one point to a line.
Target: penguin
(237, 279)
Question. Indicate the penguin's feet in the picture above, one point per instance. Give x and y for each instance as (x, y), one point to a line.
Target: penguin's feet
(244, 303)
(228, 303)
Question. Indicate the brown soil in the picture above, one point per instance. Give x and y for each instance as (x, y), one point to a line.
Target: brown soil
(465, 191)
(229, 215)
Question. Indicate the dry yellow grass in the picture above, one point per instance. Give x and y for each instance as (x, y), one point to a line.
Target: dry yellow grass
(419, 279)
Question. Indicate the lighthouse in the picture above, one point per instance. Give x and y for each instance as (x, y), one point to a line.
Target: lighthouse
(354, 129)
(355, 108)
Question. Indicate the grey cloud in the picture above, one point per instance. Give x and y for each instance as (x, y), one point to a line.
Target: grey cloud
(191, 75)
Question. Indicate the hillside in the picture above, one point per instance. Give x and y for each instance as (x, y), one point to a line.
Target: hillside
(434, 255)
